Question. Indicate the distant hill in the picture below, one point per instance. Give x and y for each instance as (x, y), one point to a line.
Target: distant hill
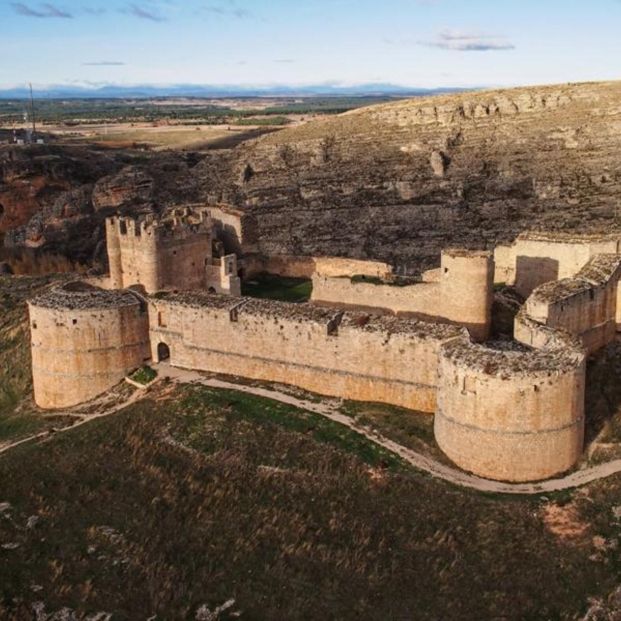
(194, 90)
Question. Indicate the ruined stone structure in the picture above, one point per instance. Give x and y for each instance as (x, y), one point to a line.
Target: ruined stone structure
(173, 252)
(504, 410)
(460, 292)
(84, 341)
(536, 258)
(518, 413)
(320, 349)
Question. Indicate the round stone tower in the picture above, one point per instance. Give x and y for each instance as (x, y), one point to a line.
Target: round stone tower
(84, 341)
(510, 413)
(467, 289)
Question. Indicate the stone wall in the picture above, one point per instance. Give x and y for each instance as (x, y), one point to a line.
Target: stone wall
(235, 228)
(510, 414)
(537, 258)
(346, 354)
(461, 292)
(84, 341)
(422, 299)
(307, 267)
(585, 305)
(517, 413)
(168, 253)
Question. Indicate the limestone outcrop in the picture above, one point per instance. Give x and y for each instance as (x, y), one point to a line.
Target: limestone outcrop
(530, 158)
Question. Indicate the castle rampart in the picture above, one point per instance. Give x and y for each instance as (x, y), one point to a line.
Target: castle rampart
(537, 258)
(518, 414)
(584, 305)
(320, 349)
(460, 292)
(511, 413)
(172, 252)
(236, 228)
(84, 341)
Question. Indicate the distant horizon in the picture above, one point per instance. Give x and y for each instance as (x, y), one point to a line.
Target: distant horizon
(224, 90)
(215, 91)
(413, 44)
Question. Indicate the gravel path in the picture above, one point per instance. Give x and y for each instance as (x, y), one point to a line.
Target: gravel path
(329, 409)
(422, 462)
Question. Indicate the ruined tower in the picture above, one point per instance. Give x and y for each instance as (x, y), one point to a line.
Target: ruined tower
(171, 252)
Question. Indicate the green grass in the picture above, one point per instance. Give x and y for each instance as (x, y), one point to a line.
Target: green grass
(278, 288)
(268, 414)
(409, 428)
(17, 417)
(202, 495)
(145, 375)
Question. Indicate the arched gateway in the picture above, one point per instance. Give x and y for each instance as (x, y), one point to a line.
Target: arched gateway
(163, 352)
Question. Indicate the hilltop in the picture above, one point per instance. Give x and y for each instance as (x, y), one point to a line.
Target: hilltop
(394, 182)
(398, 181)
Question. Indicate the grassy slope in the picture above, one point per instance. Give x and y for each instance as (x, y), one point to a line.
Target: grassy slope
(202, 495)
(207, 495)
(16, 416)
(278, 288)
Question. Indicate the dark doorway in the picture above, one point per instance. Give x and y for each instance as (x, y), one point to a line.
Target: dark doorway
(163, 352)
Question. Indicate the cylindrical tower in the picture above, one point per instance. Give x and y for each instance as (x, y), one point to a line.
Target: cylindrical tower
(466, 290)
(144, 238)
(510, 413)
(84, 341)
(114, 253)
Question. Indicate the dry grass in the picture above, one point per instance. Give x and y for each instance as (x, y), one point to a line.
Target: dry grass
(127, 135)
(204, 495)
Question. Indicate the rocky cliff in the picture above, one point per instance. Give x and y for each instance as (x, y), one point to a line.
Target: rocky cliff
(56, 202)
(398, 181)
(394, 182)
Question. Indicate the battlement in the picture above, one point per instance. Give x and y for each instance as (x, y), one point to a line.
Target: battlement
(503, 410)
(179, 224)
(78, 295)
(173, 250)
(460, 292)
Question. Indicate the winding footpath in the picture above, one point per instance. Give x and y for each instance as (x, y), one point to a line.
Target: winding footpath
(329, 409)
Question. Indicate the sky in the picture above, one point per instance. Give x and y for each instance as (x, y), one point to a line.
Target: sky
(414, 43)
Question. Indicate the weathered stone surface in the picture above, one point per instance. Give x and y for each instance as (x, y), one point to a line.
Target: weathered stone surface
(129, 187)
(543, 157)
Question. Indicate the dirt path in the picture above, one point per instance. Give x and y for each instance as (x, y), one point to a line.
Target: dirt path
(422, 462)
(329, 409)
(82, 417)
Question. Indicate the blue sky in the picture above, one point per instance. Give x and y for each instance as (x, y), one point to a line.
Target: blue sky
(418, 43)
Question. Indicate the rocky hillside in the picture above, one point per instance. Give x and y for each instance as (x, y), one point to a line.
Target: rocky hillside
(395, 182)
(398, 181)
(54, 199)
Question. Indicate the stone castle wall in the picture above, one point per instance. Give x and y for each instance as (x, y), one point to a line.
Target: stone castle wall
(460, 292)
(537, 258)
(147, 253)
(235, 228)
(584, 305)
(173, 253)
(518, 414)
(319, 349)
(84, 342)
(509, 414)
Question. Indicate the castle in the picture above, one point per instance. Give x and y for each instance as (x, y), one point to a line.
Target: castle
(506, 410)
